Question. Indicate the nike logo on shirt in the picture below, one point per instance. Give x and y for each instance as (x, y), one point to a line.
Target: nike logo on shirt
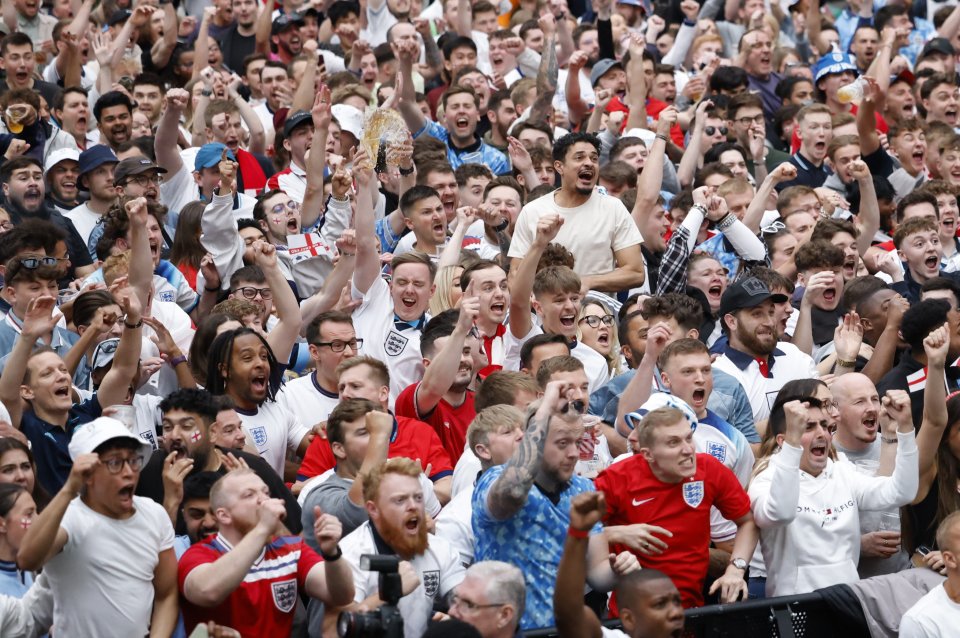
(637, 503)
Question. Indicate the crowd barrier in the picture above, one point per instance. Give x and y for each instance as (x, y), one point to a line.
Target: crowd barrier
(801, 616)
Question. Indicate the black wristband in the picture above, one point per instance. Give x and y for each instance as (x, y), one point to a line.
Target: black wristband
(503, 225)
(215, 289)
(331, 558)
(133, 327)
(406, 171)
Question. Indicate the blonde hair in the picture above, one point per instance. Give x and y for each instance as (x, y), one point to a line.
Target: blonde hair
(497, 419)
(400, 465)
(614, 362)
(656, 419)
(442, 299)
(116, 266)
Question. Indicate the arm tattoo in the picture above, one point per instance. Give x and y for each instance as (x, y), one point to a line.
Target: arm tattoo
(432, 53)
(509, 491)
(546, 82)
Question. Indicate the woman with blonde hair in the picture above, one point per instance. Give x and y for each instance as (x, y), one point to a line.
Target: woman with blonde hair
(597, 328)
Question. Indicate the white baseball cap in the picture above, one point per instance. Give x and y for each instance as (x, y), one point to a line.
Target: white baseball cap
(57, 156)
(349, 117)
(90, 436)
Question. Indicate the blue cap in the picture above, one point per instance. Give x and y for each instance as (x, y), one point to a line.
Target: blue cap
(95, 156)
(833, 63)
(209, 155)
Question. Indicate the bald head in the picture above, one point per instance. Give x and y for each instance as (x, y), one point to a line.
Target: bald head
(859, 407)
(844, 385)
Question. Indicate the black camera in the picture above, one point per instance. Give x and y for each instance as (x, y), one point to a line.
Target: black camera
(386, 621)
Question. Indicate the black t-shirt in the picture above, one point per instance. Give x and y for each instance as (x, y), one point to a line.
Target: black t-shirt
(151, 484)
(236, 47)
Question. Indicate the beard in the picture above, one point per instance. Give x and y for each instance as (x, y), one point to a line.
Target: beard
(403, 544)
(757, 345)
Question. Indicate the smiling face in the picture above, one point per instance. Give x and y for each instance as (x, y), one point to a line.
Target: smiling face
(942, 105)
(921, 251)
(63, 180)
(411, 289)
(910, 146)
(949, 213)
(580, 168)
(710, 277)
(115, 124)
(398, 514)
(248, 375)
(690, 377)
(559, 311)
(949, 166)
(47, 384)
(753, 330)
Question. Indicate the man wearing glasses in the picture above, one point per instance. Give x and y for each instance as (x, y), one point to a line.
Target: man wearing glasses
(491, 598)
(108, 549)
(332, 340)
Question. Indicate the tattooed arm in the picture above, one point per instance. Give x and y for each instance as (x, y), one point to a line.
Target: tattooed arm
(546, 79)
(509, 492)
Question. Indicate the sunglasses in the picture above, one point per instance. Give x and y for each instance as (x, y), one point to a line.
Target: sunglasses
(773, 228)
(32, 263)
(710, 130)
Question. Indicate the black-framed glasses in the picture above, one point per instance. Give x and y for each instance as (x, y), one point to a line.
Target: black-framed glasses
(747, 121)
(32, 263)
(249, 292)
(594, 321)
(115, 464)
(469, 605)
(145, 180)
(339, 346)
(710, 130)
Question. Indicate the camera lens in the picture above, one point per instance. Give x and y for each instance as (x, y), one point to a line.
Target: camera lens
(359, 625)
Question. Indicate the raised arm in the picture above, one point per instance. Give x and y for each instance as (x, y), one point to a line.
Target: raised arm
(442, 367)
(285, 333)
(332, 580)
(379, 427)
(548, 71)
(163, 48)
(313, 195)
(577, 107)
(934, 424)
(690, 161)
(201, 46)
(368, 257)
(509, 492)
(866, 119)
(651, 177)
(263, 28)
(774, 494)
(574, 620)
(783, 173)
(45, 538)
(450, 255)
(210, 584)
(407, 53)
(523, 272)
(116, 384)
(41, 318)
(140, 273)
(868, 217)
(165, 142)
(638, 389)
(306, 93)
(636, 85)
(258, 138)
(464, 23)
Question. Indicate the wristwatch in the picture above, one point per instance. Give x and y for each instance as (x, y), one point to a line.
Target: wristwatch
(739, 563)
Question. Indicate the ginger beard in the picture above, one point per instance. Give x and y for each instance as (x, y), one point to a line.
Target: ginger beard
(405, 544)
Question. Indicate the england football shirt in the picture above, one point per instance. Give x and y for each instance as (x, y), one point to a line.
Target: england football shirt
(273, 430)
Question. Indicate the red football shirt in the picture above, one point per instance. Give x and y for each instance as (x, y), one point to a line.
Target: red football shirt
(411, 438)
(264, 603)
(449, 422)
(635, 495)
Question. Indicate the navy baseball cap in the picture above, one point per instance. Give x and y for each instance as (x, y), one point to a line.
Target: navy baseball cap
(295, 120)
(209, 155)
(600, 69)
(96, 156)
(747, 293)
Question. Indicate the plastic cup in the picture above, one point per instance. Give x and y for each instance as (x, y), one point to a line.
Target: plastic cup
(127, 415)
(889, 522)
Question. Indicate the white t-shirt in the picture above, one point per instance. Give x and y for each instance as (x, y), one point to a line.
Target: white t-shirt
(305, 399)
(273, 430)
(934, 616)
(592, 231)
(439, 570)
(107, 565)
(399, 349)
(84, 220)
(454, 525)
(148, 416)
(465, 472)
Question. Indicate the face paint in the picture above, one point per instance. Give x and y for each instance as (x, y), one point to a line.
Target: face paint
(196, 436)
(25, 522)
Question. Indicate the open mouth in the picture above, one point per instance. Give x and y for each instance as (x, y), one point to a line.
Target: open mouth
(950, 114)
(821, 147)
(258, 384)
(439, 230)
(177, 448)
(603, 339)
(462, 123)
(568, 321)
(412, 524)
(932, 262)
(498, 308)
(408, 302)
(82, 123)
(126, 492)
(32, 195)
(586, 174)
(119, 132)
(62, 392)
(818, 450)
(829, 294)
(154, 249)
(293, 226)
(918, 157)
(699, 395)
(870, 423)
(715, 291)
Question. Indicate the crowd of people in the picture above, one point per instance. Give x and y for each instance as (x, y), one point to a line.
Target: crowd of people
(323, 317)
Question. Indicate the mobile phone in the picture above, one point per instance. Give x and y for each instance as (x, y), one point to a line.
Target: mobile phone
(923, 550)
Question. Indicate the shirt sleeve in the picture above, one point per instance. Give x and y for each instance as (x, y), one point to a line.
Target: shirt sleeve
(626, 233)
(199, 554)
(481, 514)
(451, 571)
(317, 460)
(438, 458)
(295, 431)
(604, 482)
(406, 404)
(523, 233)
(308, 559)
(731, 500)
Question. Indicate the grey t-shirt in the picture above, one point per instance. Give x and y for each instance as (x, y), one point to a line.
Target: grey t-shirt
(331, 496)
